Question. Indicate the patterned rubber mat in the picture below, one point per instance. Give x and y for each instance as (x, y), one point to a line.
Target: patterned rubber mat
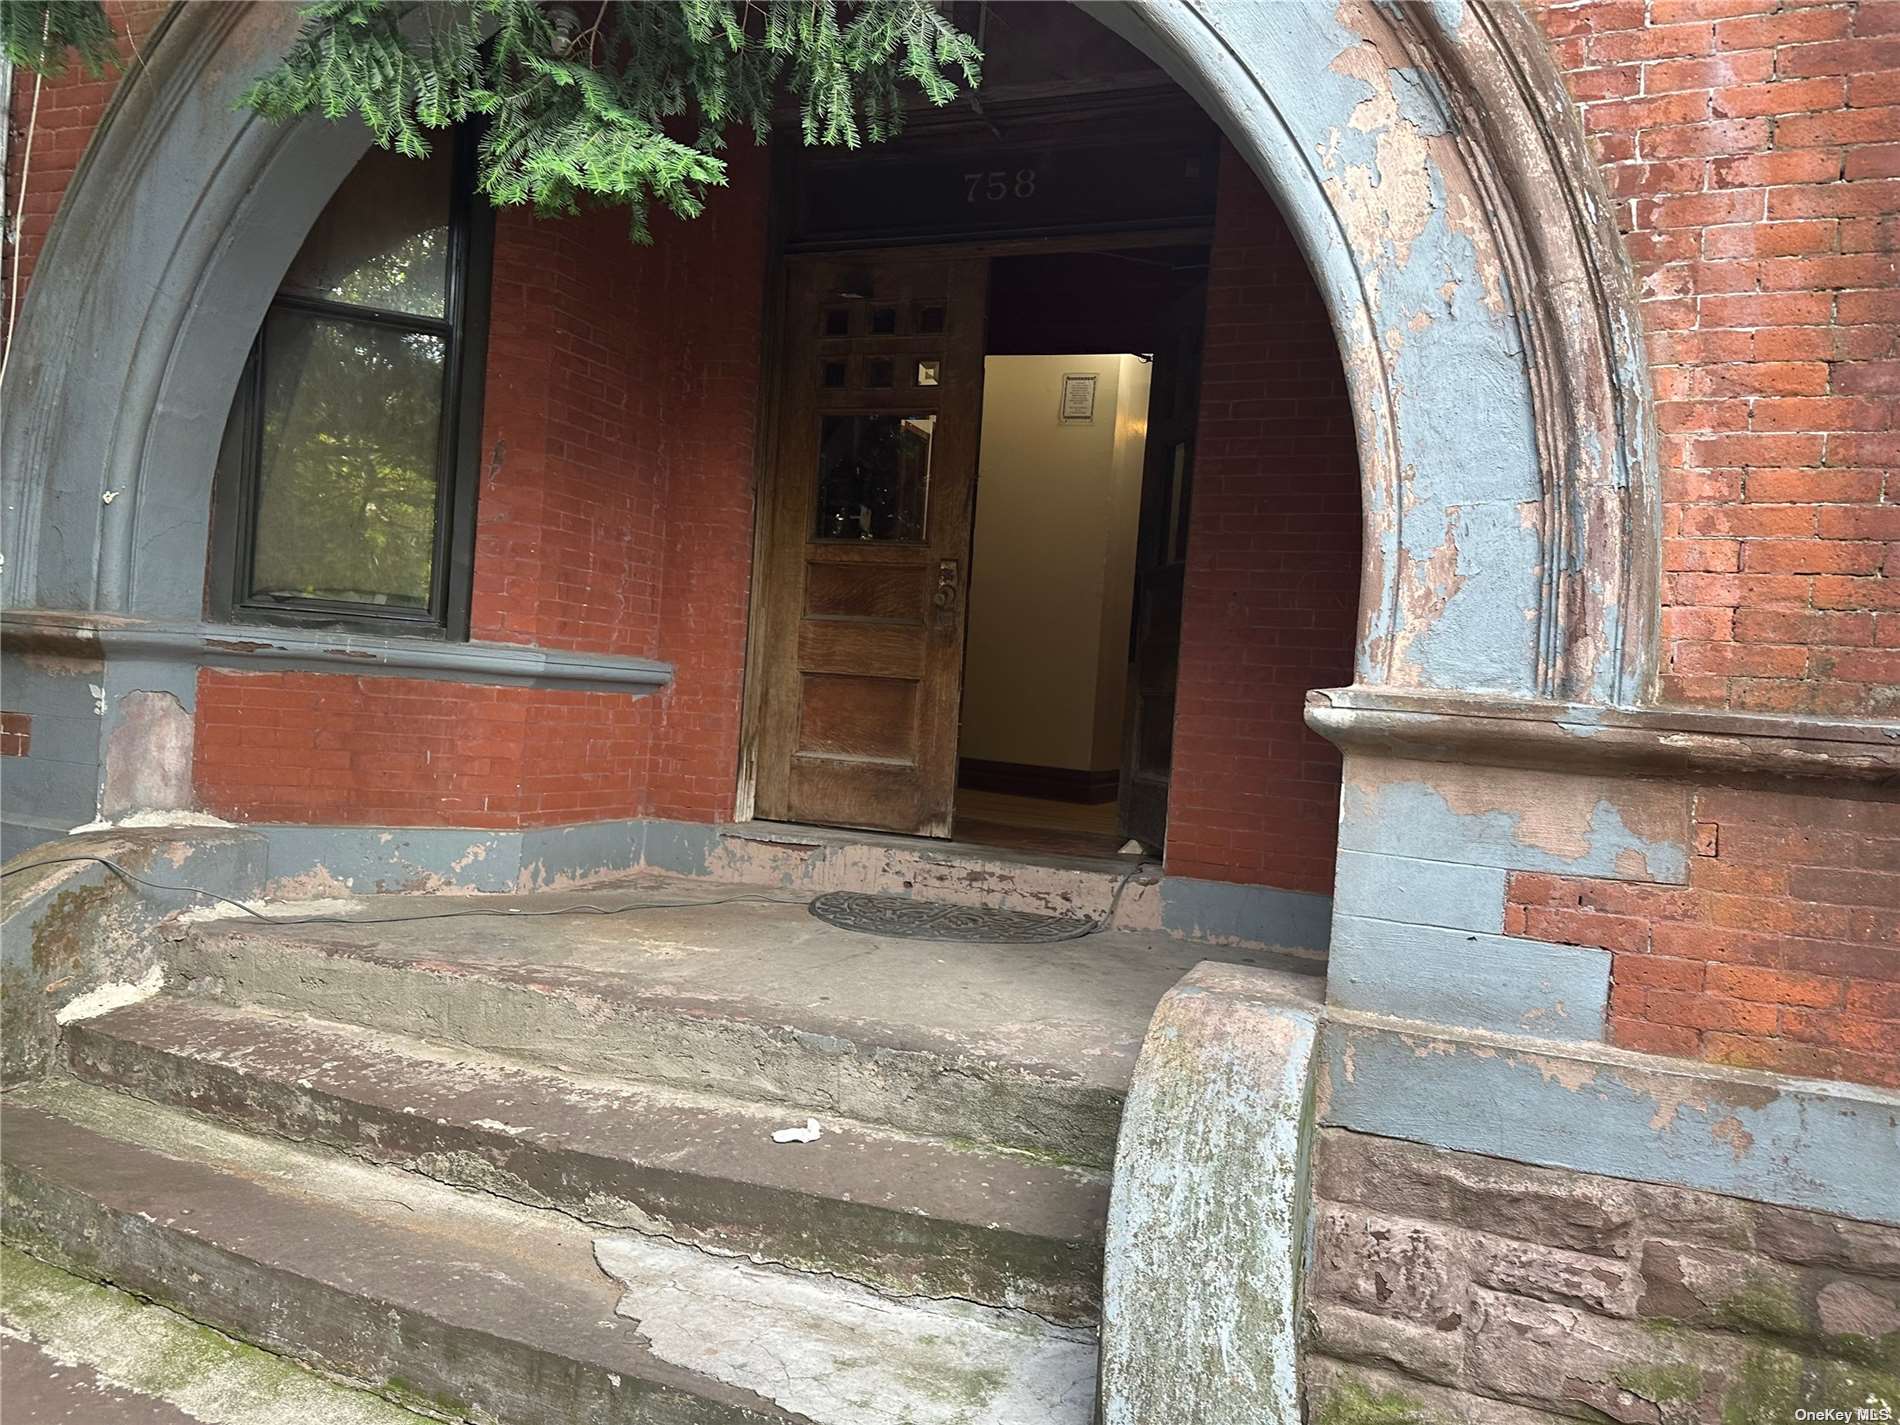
(932, 920)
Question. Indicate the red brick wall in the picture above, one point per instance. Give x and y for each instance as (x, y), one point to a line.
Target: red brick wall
(1272, 596)
(1753, 147)
(711, 359)
(615, 516)
(1782, 952)
(16, 734)
(568, 551)
(320, 748)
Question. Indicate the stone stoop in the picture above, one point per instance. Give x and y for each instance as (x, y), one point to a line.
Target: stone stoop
(523, 1171)
(812, 859)
(910, 1215)
(468, 1305)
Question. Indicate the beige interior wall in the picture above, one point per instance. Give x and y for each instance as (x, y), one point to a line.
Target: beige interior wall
(1124, 518)
(1052, 565)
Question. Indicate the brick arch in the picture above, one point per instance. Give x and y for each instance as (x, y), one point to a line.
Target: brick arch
(1424, 158)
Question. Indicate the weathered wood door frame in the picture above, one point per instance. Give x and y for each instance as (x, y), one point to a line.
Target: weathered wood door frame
(769, 424)
(862, 594)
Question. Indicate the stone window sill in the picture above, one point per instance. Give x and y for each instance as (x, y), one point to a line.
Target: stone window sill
(330, 651)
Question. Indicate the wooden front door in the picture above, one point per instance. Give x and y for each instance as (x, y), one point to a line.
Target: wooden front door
(868, 542)
(1167, 488)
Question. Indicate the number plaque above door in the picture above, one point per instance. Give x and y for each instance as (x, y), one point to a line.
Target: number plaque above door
(1148, 165)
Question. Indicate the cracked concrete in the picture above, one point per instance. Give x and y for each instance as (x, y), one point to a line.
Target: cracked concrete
(847, 1356)
(907, 1214)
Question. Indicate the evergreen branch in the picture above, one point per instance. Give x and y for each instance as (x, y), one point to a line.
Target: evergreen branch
(36, 35)
(598, 115)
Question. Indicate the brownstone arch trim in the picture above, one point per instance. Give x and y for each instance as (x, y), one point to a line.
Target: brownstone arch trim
(176, 229)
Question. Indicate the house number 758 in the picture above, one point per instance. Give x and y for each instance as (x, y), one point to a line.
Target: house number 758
(999, 184)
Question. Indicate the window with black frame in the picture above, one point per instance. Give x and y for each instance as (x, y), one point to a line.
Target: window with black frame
(348, 474)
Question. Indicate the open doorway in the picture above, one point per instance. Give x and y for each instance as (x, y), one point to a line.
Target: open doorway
(902, 276)
(1085, 225)
(1082, 487)
(1052, 581)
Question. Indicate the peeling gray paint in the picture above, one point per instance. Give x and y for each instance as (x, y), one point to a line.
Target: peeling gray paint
(56, 786)
(68, 927)
(308, 861)
(1798, 1142)
(1415, 819)
(1461, 977)
(555, 855)
(1227, 912)
(1420, 892)
(685, 848)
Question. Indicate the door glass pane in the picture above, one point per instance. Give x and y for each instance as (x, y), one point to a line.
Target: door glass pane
(383, 239)
(347, 488)
(873, 476)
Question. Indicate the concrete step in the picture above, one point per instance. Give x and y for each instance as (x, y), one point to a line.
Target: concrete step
(907, 1214)
(73, 1352)
(1028, 1047)
(475, 1307)
(817, 858)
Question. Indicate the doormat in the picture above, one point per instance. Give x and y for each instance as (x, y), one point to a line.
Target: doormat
(906, 919)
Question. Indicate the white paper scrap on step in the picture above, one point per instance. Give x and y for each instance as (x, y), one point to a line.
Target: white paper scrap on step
(832, 1351)
(808, 1134)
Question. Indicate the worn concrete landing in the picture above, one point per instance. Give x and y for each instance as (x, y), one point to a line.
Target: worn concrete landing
(1029, 1047)
(469, 1303)
(913, 1215)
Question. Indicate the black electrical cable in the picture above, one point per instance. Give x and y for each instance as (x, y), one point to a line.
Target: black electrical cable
(505, 912)
(1107, 917)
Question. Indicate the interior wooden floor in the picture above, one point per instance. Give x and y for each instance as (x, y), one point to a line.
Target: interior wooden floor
(1036, 824)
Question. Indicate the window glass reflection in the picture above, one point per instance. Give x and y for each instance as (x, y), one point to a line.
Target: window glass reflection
(347, 480)
(874, 476)
(383, 239)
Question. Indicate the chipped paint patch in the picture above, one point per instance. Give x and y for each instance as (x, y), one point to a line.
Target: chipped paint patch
(115, 995)
(318, 884)
(477, 852)
(1804, 1143)
(1385, 202)
(1516, 818)
(1729, 1130)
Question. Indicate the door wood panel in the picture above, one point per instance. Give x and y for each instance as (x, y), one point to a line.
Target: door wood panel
(868, 545)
